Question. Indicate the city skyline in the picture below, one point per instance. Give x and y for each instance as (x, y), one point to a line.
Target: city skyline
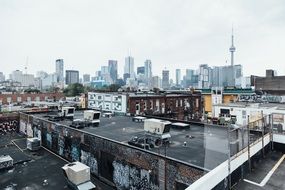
(66, 31)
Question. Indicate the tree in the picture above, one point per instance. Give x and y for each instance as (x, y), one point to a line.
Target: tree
(30, 90)
(74, 89)
(114, 87)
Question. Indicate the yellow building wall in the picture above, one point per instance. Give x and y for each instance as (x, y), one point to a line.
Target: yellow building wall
(208, 102)
(229, 98)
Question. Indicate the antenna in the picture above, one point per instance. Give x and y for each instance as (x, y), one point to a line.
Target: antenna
(26, 65)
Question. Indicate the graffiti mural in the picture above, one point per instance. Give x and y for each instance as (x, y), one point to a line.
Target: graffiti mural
(107, 102)
(8, 127)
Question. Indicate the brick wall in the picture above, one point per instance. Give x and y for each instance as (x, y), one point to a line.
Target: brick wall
(171, 105)
(19, 98)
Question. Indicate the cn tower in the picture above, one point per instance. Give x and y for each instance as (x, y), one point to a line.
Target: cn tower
(232, 49)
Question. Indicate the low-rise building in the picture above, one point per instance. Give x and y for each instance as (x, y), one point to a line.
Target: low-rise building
(15, 98)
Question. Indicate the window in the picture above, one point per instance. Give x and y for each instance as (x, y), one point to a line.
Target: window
(29, 99)
(37, 98)
(9, 99)
(197, 102)
(243, 114)
(19, 99)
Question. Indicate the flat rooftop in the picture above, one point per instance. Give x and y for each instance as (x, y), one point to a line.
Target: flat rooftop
(207, 146)
(33, 170)
(258, 179)
(278, 106)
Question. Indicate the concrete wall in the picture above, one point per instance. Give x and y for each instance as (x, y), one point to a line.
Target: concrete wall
(118, 164)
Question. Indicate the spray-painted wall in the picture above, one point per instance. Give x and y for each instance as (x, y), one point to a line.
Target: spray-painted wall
(121, 165)
(9, 123)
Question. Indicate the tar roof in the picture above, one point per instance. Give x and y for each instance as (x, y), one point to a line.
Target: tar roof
(206, 146)
(33, 170)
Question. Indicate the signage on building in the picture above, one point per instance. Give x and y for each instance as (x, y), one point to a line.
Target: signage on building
(278, 118)
(107, 102)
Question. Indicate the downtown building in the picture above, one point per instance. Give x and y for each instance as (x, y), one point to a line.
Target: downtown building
(59, 71)
(71, 77)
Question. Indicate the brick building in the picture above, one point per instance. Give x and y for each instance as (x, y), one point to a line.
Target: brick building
(184, 106)
(271, 83)
(26, 97)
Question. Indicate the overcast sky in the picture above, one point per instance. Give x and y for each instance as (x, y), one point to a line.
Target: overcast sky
(172, 33)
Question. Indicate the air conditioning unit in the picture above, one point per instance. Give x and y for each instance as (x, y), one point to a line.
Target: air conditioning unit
(92, 117)
(6, 162)
(157, 126)
(77, 173)
(33, 144)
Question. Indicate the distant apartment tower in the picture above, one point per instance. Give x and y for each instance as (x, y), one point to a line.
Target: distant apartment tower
(71, 77)
(24, 79)
(204, 80)
(129, 66)
(165, 79)
(2, 77)
(59, 71)
(156, 82)
(86, 78)
(113, 70)
(178, 77)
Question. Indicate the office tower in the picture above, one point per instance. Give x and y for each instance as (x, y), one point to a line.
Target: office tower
(86, 78)
(141, 70)
(178, 77)
(113, 70)
(129, 66)
(216, 77)
(165, 79)
(148, 71)
(59, 67)
(71, 77)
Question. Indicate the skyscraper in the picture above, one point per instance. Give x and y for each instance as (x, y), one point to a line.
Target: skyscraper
(59, 67)
(178, 77)
(113, 70)
(148, 71)
(165, 79)
(71, 77)
(129, 66)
